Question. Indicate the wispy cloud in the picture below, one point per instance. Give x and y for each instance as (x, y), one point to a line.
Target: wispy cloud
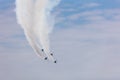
(95, 48)
(90, 5)
(97, 15)
(95, 45)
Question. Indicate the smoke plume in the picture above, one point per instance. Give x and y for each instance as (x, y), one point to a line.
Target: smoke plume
(35, 18)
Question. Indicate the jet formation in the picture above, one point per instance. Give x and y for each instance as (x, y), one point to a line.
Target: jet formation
(46, 58)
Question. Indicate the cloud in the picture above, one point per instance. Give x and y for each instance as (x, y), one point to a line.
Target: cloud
(90, 5)
(94, 48)
(97, 15)
(11, 33)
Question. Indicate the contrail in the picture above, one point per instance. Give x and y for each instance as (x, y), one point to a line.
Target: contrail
(35, 18)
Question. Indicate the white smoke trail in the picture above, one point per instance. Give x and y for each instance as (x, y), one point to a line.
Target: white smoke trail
(35, 18)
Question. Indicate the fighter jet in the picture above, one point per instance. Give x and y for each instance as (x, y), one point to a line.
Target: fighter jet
(55, 61)
(42, 50)
(45, 58)
(51, 54)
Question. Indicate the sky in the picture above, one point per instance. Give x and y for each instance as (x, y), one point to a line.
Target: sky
(85, 41)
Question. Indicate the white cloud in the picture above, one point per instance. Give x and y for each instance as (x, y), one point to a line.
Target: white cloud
(93, 50)
(96, 15)
(93, 47)
(90, 5)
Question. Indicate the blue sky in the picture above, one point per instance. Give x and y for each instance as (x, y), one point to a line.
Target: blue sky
(85, 40)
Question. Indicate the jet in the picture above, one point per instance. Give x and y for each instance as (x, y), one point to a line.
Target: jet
(55, 61)
(45, 58)
(51, 54)
(42, 50)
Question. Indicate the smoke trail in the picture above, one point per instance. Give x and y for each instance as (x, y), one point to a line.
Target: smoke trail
(35, 18)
